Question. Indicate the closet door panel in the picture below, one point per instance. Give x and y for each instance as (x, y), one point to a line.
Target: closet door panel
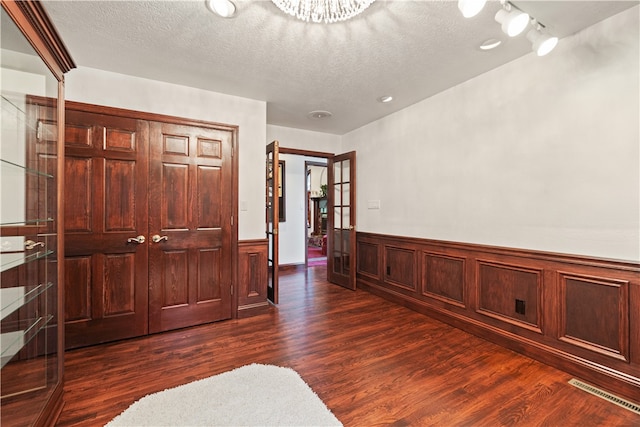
(190, 190)
(106, 212)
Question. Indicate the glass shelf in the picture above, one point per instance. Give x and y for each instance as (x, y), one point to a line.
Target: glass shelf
(13, 298)
(15, 259)
(11, 107)
(12, 342)
(15, 168)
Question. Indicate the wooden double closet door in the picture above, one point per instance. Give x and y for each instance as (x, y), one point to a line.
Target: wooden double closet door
(148, 225)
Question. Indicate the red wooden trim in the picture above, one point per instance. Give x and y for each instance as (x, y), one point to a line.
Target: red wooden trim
(33, 21)
(152, 117)
(308, 153)
(500, 250)
(53, 407)
(252, 242)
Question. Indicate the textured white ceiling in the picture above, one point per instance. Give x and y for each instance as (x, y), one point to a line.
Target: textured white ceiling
(408, 49)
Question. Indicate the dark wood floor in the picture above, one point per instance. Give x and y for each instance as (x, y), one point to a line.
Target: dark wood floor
(371, 362)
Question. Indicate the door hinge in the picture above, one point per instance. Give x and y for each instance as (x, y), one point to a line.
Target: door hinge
(232, 290)
(39, 130)
(231, 220)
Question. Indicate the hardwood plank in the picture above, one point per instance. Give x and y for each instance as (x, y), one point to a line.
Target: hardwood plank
(371, 361)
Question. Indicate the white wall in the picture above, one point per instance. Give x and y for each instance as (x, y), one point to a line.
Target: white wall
(304, 139)
(292, 232)
(542, 153)
(122, 91)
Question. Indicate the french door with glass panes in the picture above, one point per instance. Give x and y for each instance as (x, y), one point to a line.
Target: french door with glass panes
(341, 242)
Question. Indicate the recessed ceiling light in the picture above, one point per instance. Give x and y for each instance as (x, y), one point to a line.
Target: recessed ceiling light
(223, 8)
(490, 44)
(319, 114)
(385, 99)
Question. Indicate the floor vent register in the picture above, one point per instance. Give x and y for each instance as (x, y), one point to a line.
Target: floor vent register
(633, 407)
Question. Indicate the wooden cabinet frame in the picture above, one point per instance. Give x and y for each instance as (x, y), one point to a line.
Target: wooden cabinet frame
(33, 21)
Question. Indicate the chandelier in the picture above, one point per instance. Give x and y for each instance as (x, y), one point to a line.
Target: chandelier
(327, 11)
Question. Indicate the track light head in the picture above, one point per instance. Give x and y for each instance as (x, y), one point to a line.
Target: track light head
(541, 43)
(471, 8)
(513, 22)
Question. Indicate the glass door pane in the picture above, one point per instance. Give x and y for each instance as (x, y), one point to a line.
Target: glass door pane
(272, 219)
(342, 221)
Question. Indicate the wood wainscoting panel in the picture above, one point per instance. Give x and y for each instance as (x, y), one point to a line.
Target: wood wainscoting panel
(594, 314)
(252, 277)
(443, 278)
(580, 314)
(400, 267)
(368, 259)
(510, 293)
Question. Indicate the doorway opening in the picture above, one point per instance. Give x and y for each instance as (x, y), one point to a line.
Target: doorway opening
(286, 233)
(316, 195)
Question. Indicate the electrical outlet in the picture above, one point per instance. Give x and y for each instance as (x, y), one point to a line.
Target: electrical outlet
(520, 306)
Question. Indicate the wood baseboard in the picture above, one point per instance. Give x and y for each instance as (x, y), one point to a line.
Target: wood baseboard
(253, 309)
(291, 267)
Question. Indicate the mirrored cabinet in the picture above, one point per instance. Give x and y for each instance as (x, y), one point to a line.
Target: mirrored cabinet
(33, 62)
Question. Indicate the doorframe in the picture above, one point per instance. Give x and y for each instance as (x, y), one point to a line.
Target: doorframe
(234, 129)
(306, 153)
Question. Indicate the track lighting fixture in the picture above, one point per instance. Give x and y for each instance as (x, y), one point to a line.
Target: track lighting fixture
(471, 8)
(513, 21)
(541, 43)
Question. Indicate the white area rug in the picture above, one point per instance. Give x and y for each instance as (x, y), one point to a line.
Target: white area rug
(253, 395)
